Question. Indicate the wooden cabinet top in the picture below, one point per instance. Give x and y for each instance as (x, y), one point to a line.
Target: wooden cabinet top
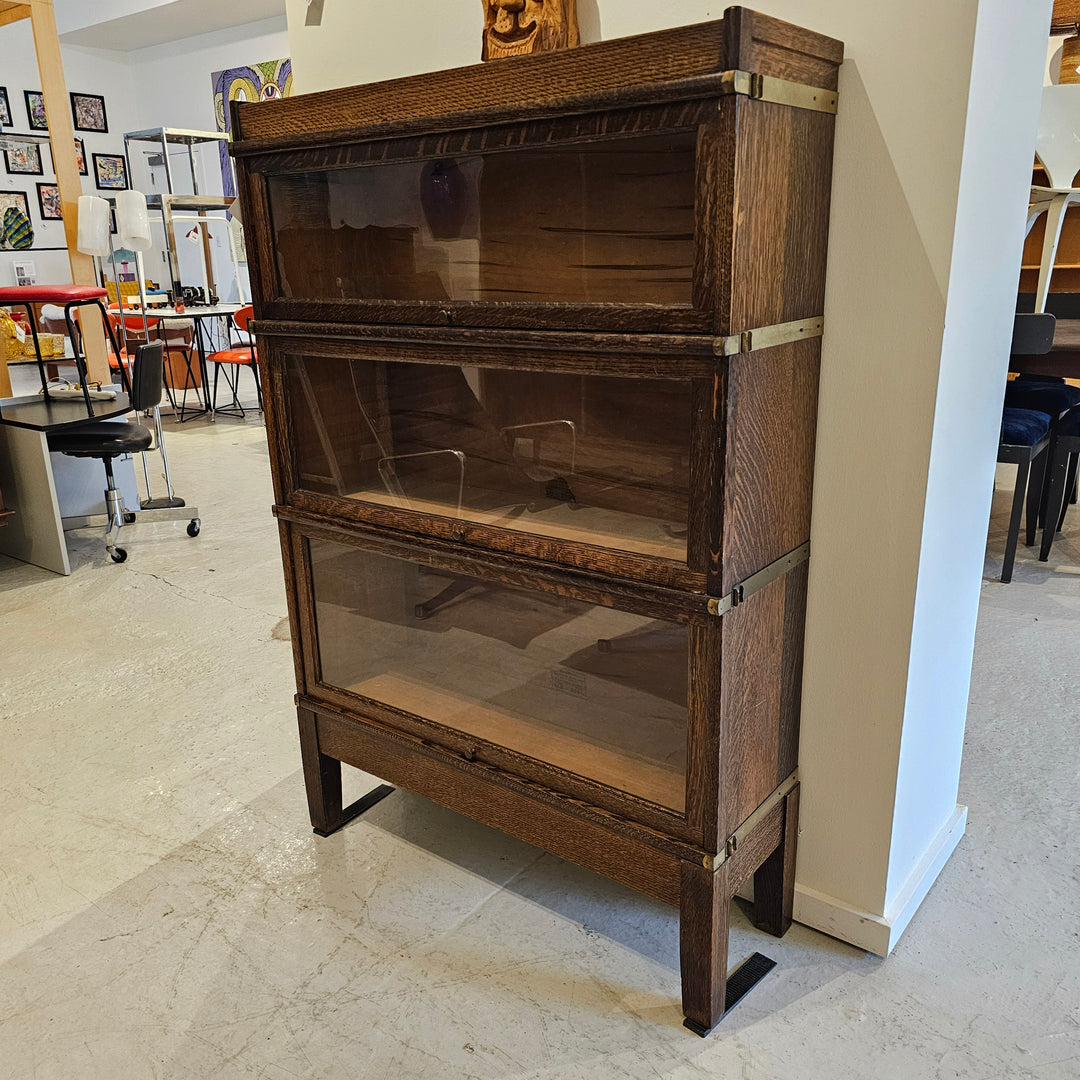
(686, 61)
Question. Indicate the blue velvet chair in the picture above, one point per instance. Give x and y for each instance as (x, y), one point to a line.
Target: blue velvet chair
(1025, 436)
(1061, 476)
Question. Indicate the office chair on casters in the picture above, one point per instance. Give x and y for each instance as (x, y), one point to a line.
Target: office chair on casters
(108, 440)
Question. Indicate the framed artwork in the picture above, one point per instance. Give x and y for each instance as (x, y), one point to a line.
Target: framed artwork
(5, 108)
(24, 159)
(24, 233)
(35, 110)
(88, 112)
(80, 157)
(48, 197)
(110, 172)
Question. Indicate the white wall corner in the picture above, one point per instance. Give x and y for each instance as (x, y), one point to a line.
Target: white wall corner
(879, 933)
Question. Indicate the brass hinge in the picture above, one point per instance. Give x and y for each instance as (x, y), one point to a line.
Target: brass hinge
(731, 845)
(778, 91)
(721, 605)
(766, 337)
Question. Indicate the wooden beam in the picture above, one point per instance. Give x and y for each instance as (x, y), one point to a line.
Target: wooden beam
(62, 141)
(10, 13)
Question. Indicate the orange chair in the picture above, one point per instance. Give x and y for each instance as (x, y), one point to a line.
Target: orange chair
(232, 359)
(178, 338)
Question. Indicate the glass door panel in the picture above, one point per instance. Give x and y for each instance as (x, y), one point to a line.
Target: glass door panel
(594, 459)
(598, 692)
(605, 222)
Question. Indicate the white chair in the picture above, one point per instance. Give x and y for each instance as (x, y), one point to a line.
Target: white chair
(1057, 147)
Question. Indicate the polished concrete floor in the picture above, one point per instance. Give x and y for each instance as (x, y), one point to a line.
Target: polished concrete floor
(166, 912)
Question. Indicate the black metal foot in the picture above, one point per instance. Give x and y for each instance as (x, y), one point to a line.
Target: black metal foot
(357, 808)
(741, 981)
(161, 504)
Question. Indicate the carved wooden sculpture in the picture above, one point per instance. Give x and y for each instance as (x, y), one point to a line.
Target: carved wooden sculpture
(515, 27)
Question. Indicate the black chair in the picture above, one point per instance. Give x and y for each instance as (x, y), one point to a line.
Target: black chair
(1025, 435)
(1033, 405)
(108, 440)
(1061, 477)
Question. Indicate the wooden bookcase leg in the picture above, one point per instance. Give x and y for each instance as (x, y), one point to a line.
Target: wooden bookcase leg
(774, 880)
(703, 944)
(322, 778)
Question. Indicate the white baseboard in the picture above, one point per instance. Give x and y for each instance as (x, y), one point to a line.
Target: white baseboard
(879, 933)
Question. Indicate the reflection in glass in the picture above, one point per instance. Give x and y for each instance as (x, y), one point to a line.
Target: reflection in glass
(599, 692)
(594, 459)
(604, 222)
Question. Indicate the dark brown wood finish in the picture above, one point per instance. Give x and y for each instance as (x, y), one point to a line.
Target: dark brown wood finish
(760, 720)
(774, 879)
(759, 215)
(704, 911)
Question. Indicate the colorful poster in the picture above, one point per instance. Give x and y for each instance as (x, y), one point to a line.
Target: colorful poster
(259, 82)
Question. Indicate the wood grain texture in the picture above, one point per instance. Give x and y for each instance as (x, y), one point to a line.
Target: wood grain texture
(495, 314)
(769, 46)
(673, 107)
(760, 193)
(545, 81)
(750, 688)
(774, 880)
(483, 541)
(606, 801)
(780, 220)
(705, 734)
(755, 849)
(771, 412)
(627, 355)
(704, 908)
(322, 776)
(625, 853)
(591, 587)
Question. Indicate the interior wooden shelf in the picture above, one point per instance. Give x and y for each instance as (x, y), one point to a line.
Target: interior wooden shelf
(661, 784)
(582, 525)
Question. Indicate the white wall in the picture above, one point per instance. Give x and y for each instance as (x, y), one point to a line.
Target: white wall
(929, 198)
(87, 70)
(166, 85)
(174, 79)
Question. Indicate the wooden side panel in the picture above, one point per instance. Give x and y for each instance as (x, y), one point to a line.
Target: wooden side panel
(769, 456)
(762, 653)
(769, 46)
(705, 733)
(783, 181)
(419, 769)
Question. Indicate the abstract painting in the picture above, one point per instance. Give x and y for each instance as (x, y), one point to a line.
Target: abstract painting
(35, 110)
(88, 112)
(24, 159)
(258, 82)
(49, 202)
(110, 172)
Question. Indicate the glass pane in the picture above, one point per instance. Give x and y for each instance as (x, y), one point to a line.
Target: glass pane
(603, 222)
(588, 458)
(599, 692)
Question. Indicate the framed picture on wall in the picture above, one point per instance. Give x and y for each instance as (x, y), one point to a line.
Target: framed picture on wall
(24, 159)
(110, 172)
(48, 196)
(80, 157)
(35, 110)
(5, 108)
(88, 112)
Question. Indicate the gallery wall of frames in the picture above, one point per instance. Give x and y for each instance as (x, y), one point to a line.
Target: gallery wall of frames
(27, 174)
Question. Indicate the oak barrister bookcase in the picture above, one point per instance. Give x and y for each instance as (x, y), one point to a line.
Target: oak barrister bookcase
(541, 342)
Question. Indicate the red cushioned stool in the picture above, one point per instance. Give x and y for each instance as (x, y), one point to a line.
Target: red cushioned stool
(70, 297)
